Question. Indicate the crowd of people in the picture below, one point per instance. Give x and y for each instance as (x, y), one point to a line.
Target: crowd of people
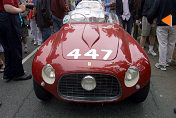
(47, 16)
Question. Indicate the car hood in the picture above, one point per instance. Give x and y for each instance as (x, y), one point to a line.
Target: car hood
(89, 41)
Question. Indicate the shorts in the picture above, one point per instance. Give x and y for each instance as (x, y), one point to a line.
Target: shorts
(146, 27)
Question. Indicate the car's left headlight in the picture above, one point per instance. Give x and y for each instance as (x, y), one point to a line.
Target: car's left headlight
(48, 74)
(131, 76)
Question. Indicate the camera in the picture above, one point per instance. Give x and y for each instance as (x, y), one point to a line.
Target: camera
(29, 5)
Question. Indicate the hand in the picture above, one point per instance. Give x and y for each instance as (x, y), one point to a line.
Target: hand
(22, 7)
(153, 25)
(137, 22)
(51, 27)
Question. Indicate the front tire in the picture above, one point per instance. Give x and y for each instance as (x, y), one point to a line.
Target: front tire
(40, 92)
(141, 95)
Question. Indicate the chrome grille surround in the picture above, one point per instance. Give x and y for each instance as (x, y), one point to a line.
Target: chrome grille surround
(108, 88)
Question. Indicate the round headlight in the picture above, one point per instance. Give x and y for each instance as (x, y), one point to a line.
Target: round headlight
(88, 83)
(131, 76)
(48, 74)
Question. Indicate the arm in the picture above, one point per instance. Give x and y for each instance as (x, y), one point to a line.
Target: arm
(14, 10)
(153, 12)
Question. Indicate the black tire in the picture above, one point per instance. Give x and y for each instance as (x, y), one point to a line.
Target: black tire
(141, 95)
(40, 92)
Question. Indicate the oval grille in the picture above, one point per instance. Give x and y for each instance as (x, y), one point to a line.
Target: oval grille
(107, 89)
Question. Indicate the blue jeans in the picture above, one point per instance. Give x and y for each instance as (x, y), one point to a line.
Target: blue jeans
(57, 23)
(46, 33)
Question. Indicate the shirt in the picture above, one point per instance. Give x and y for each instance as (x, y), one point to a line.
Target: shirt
(126, 12)
(10, 2)
(1, 6)
(59, 8)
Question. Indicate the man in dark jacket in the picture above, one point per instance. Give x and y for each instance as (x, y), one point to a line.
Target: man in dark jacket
(165, 34)
(59, 9)
(147, 30)
(44, 18)
(125, 10)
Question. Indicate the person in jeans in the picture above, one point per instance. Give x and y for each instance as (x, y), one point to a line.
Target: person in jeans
(10, 38)
(166, 34)
(125, 10)
(147, 30)
(59, 9)
(44, 18)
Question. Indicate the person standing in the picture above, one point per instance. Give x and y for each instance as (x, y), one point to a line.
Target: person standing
(125, 10)
(34, 29)
(166, 34)
(44, 18)
(10, 38)
(147, 30)
(59, 9)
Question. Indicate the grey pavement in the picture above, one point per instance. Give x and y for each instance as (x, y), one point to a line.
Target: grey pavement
(19, 101)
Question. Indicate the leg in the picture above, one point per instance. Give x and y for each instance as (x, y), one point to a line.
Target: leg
(130, 25)
(57, 23)
(145, 31)
(46, 33)
(162, 35)
(171, 43)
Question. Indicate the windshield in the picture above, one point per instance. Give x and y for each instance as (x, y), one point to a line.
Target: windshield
(91, 5)
(84, 15)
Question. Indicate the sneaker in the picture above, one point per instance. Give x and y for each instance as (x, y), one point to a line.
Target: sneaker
(161, 67)
(152, 52)
(39, 43)
(23, 77)
(35, 42)
(25, 50)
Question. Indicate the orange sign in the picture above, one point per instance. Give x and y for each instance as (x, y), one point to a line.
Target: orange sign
(168, 20)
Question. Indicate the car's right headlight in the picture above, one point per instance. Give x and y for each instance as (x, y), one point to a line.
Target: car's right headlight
(131, 76)
(48, 74)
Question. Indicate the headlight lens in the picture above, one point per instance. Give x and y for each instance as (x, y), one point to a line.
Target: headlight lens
(131, 76)
(48, 74)
(88, 83)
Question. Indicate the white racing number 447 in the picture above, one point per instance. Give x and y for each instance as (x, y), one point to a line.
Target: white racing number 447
(91, 53)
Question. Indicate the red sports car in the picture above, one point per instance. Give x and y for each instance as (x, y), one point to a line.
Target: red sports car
(91, 59)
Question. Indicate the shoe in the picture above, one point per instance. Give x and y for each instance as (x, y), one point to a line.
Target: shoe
(35, 42)
(25, 50)
(23, 77)
(7, 78)
(152, 52)
(39, 43)
(161, 67)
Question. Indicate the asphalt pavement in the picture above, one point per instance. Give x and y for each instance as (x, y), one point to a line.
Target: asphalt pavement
(18, 100)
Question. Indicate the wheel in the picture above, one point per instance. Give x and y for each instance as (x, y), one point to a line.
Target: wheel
(141, 95)
(40, 92)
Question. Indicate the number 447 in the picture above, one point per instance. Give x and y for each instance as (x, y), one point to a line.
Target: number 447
(92, 53)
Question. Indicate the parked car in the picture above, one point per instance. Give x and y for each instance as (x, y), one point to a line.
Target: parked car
(91, 59)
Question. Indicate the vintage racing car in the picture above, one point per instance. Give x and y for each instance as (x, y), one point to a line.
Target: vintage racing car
(91, 59)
